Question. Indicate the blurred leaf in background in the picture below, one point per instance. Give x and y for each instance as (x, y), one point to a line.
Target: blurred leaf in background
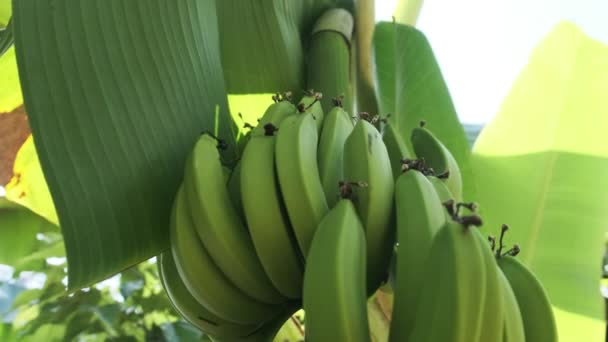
(541, 167)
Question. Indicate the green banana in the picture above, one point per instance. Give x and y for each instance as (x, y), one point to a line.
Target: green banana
(219, 226)
(335, 298)
(396, 147)
(492, 323)
(234, 189)
(274, 115)
(311, 104)
(267, 219)
(296, 166)
(264, 333)
(187, 306)
(513, 323)
(450, 306)
(534, 304)
(420, 215)
(442, 190)
(328, 60)
(336, 127)
(438, 157)
(203, 279)
(366, 160)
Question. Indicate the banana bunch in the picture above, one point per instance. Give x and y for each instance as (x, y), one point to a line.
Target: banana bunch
(321, 209)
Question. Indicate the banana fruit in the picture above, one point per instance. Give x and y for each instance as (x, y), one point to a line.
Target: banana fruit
(219, 226)
(439, 158)
(513, 330)
(203, 279)
(337, 126)
(366, 160)
(335, 298)
(450, 303)
(297, 170)
(396, 147)
(195, 313)
(534, 304)
(310, 105)
(267, 219)
(419, 218)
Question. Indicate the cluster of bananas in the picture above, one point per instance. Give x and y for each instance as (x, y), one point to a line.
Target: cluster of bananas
(312, 215)
(322, 209)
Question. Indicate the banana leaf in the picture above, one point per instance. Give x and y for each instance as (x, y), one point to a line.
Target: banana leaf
(540, 167)
(411, 88)
(116, 93)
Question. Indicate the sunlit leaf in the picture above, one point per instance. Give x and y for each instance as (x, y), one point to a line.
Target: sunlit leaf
(117, 92)
(28, 186)
(10, 91)
(541, 166)
(5, 11)
(407, 11)
(411, 88)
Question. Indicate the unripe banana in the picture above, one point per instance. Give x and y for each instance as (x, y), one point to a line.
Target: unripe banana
(449, 305)
(310, 104)
(234, 190)
(267, 219)
(203, 279)
(219, 226)
(335, 297)
(396, 147)
(296, 165)
(266, 332)
(274, 115)
(187, 306)
(336, 127)
(513, 323)
(438, 157)
(492, 325)
(366, 160)
(328, 60)
(420, 215)
(493, 320)
(534, 304)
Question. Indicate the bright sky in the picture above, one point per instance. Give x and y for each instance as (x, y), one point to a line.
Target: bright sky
(482, 45)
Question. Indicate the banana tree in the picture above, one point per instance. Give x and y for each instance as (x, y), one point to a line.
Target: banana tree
(117, 93)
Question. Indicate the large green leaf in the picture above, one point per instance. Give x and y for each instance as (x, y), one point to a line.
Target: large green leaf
(117, 92)
(411, 88)
(541, 166)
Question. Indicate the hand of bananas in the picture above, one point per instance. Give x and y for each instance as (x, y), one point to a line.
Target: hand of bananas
(315, 210)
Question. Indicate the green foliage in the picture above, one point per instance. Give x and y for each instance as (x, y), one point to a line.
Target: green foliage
(112, 127)
(139, 311)
(539, 167)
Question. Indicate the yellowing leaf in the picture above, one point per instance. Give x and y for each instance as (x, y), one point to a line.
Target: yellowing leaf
(28, 186)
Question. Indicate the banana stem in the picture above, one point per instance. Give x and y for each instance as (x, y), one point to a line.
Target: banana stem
(364, 31)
